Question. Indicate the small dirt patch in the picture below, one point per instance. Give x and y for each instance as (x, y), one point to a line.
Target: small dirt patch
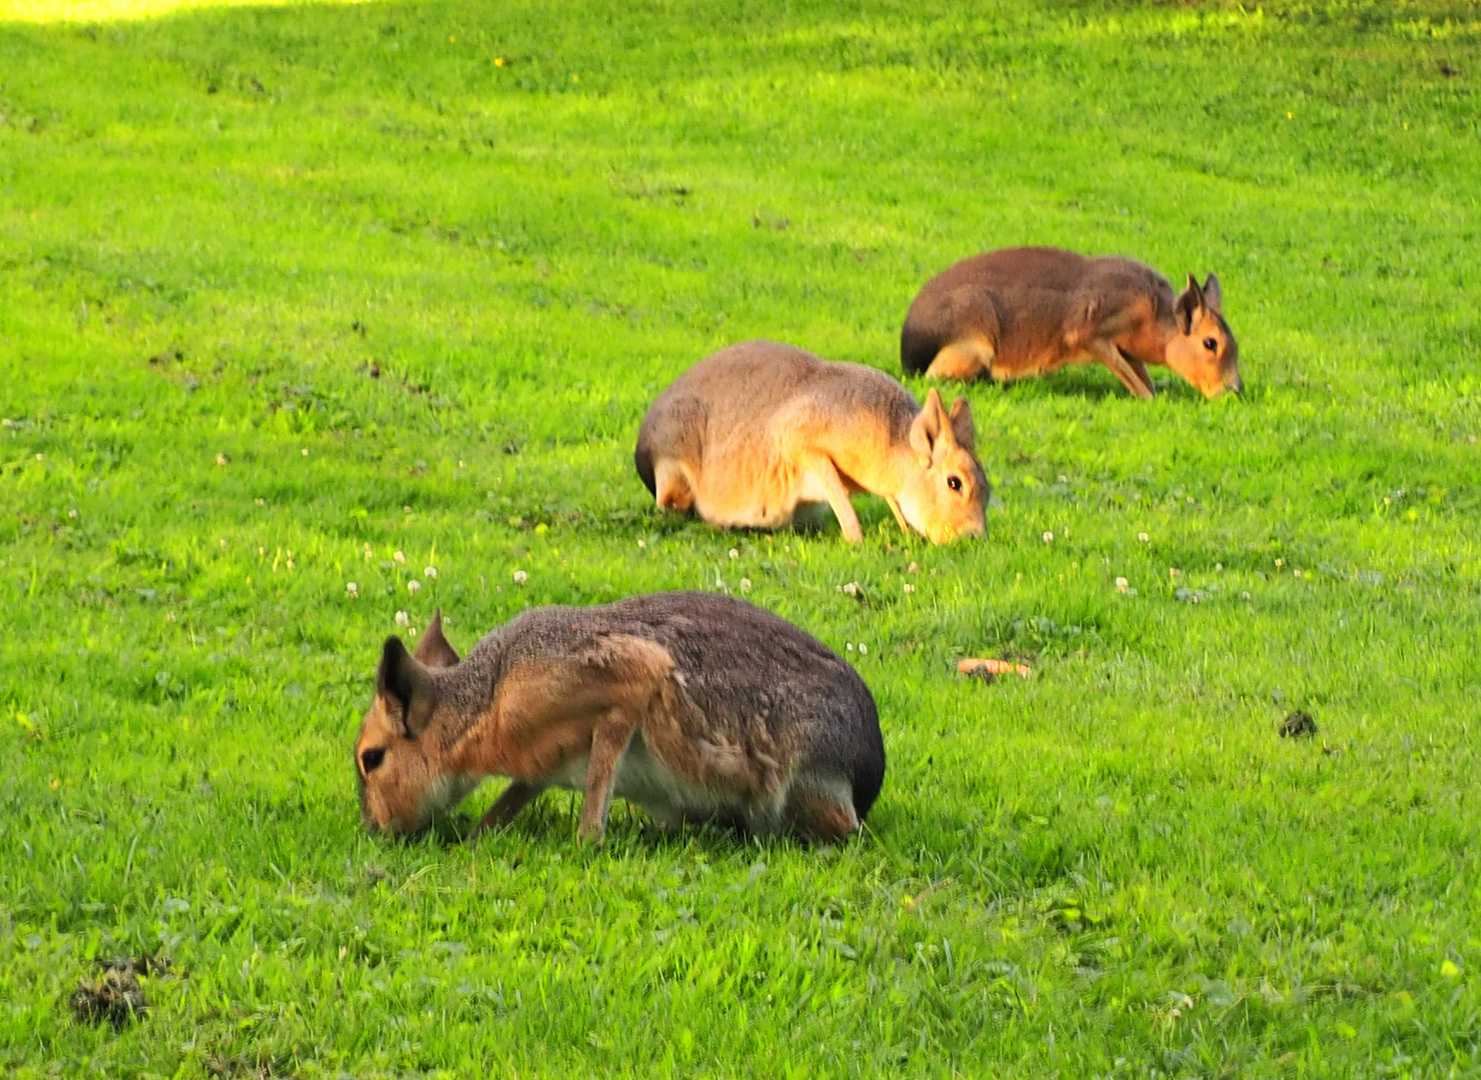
(116, 995)
(1298, 725)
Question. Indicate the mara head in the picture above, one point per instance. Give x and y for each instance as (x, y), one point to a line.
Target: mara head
(402, 778)
(1204, 350)
(947, 497)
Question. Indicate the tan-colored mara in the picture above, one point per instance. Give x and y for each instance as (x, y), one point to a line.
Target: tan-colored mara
(758, 432)
(1027, 311)
(695, 706)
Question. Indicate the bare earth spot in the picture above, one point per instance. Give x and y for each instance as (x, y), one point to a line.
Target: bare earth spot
(1298, 725)
(116, 996)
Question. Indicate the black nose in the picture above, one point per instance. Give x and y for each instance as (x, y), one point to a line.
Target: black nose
(1236, 384)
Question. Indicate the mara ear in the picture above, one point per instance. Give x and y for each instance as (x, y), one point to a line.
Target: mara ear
(406, 687)
(434, 650)
(961, 425)
(1187, 304)
(1213, 296)
(927, 427)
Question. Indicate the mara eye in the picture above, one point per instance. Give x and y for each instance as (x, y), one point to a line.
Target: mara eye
(370, 760)
(1210, 344)
(954, 482)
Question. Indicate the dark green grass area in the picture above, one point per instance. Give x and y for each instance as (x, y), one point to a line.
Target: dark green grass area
(416, 300)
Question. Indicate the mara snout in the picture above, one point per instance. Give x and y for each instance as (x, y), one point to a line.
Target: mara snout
(759, 431)
(1026, 311)
(695, 706)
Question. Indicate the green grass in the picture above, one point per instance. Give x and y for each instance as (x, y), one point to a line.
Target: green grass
(1115, 868)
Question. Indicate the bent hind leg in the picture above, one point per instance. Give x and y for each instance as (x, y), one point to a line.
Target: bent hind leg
(823, 815)
(673, 489)
(964, 360)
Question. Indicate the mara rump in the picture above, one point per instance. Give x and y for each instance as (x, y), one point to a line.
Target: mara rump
(1027, 311)
(759, 433)
(694, 706)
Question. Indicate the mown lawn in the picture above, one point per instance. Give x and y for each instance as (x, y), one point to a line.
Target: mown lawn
(285, 291)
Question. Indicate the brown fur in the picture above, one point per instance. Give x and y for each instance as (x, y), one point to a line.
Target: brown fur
(693, 705)
(1026, 311)
(757, 432)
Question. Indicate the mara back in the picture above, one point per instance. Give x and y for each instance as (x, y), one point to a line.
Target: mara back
(1023, 299)
(758, 681)
(732, 414)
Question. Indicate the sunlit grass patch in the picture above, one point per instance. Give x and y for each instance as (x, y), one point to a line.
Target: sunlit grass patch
(109, 10)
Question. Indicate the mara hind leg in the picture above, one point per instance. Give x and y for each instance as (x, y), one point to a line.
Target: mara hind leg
(822, 815)
(673, 486)
(964, 360)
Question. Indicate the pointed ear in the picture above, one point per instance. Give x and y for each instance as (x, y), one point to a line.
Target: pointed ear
(434, 650)
(1213, 296)
(961, 425)
(1187, 304)
(927, 427)
(406, 688)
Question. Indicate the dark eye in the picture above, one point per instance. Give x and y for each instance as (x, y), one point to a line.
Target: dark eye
(370, 760)
(1210, 344)
(954, 482)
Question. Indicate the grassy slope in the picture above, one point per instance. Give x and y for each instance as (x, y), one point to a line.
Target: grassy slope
(1123, 869)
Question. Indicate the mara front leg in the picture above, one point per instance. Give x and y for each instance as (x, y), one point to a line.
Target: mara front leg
(1111, 356)
(609, 742)
(821, 483)
(507, 806)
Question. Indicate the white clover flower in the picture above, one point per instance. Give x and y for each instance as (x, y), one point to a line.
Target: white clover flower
(403, 619)
(745, 584)
(305, 451)
(1244, 596)
(734, 554)
(1048, 538)
(863, 648)
(520, 577)
(399, 557)
(430, 572)
(1144, 538)
(353, 589)
(413, 586)
(909, 587)
(220, 459)
(1297, 573)
(1121, 584)
(849, 645)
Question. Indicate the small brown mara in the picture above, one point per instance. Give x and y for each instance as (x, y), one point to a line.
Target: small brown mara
(1027, 311)
(759, 432)
(694, 706)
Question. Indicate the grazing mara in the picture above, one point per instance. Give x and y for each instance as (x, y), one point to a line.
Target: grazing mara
(1026, 311)
(758, 431)
(695, 706)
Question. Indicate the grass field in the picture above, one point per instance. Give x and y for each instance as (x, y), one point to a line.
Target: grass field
(218, 225)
